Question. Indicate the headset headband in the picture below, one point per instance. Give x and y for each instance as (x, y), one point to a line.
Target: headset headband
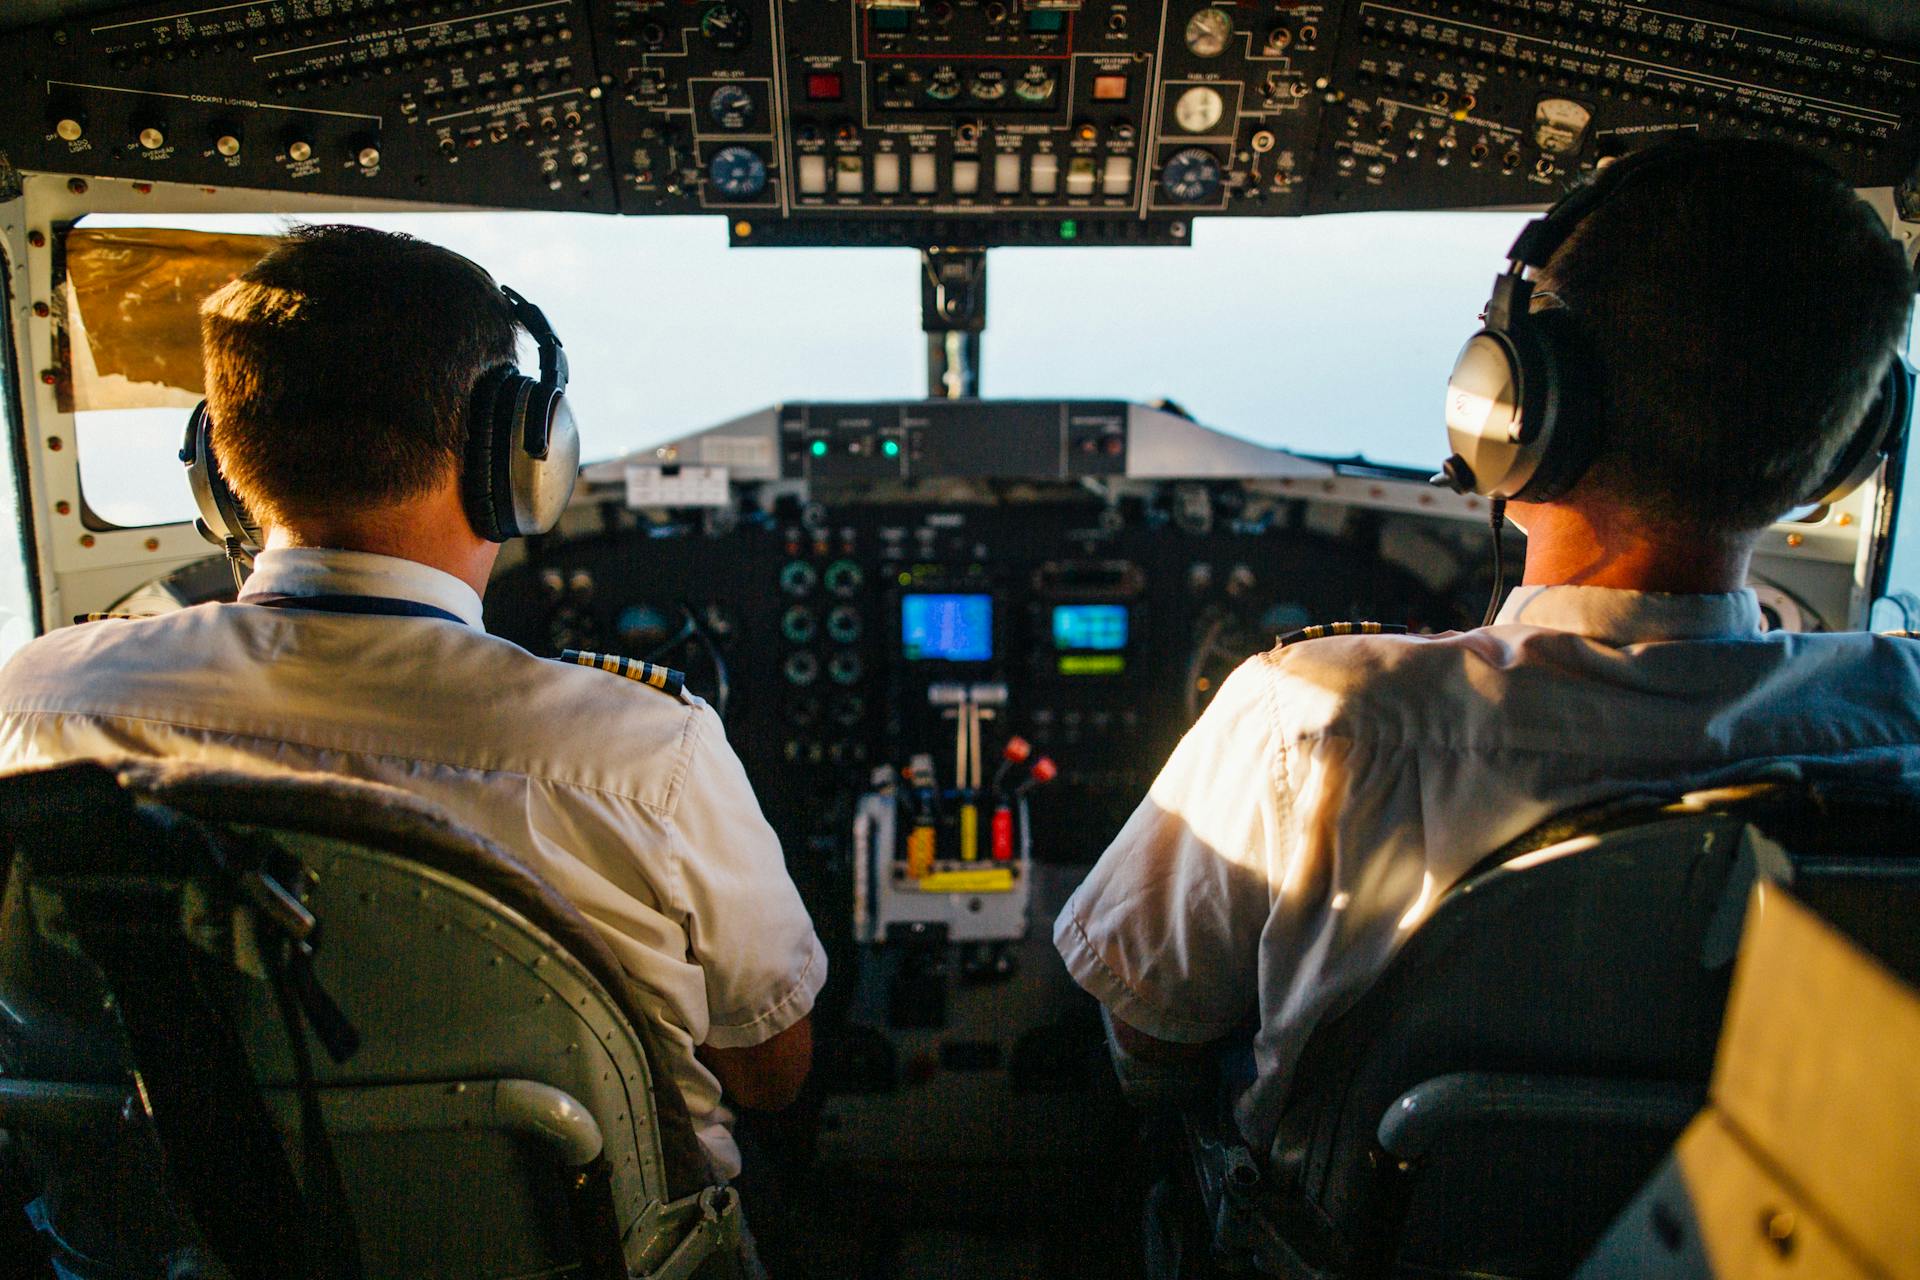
(553, 356)
(1543, 237)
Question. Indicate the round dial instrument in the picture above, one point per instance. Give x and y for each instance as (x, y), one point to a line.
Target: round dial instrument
(1208, 32)
(731, 107)
(725, 25)
(1192, 176)
(738, 173)
(1199, 109)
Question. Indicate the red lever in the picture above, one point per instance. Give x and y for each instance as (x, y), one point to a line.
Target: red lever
(1003, 834)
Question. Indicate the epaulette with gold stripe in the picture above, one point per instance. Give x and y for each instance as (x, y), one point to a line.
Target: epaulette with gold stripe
(79, 618)
(651, 674)
(1325, 629)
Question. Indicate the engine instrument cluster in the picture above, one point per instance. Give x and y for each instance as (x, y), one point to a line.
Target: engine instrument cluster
(959, 122)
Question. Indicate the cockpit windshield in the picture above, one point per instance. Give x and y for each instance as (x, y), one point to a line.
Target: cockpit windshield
(1323, 335)
(1273, 330)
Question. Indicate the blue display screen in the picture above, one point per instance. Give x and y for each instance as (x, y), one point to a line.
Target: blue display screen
(1101, 628)
(947, 628)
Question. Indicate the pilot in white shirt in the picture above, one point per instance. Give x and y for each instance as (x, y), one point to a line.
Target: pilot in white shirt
(1336, 787)
(625, 799)
(1306, 825)
(373, 663)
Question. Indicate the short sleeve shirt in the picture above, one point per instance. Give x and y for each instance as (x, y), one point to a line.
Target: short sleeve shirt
(1335, 787)
(626, 800)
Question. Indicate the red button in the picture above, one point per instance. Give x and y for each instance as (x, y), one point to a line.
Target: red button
(823, 86)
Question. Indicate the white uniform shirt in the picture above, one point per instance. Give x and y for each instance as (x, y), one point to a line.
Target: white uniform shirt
(627, 801)
(1306, 823)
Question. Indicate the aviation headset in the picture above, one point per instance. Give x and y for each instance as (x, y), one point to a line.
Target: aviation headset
(523, 451)
(1524, 413)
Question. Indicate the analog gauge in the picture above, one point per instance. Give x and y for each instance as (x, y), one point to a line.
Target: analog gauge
(1036, 84)
(1208, 31)
(943, 85)
(725, 25)
(1560, 126)
(731, 107)
(738, 173)
(1199, 109)
(989, 86)
(1192, 176)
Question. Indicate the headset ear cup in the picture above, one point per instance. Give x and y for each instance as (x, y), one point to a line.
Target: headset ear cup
(1879, 433)
(543, 483)
(223, 516)
(517, 399)
(477, 490)
(1566, 395)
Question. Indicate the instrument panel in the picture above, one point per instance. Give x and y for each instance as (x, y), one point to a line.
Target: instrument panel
(932, 121)
(829, 615)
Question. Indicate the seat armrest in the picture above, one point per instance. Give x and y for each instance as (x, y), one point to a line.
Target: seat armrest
(1421, 1119)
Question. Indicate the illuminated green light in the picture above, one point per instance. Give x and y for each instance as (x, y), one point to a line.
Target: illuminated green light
(906, 579)
(891, 448)
(1069, 229)
(1092, 664)
(819, 448)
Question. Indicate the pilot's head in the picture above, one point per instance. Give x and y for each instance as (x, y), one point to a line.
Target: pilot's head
(339, 371)
(1741, 307)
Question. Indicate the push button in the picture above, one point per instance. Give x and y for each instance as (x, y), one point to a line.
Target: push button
(1006, 173)
(1045, 175)
(922, 174)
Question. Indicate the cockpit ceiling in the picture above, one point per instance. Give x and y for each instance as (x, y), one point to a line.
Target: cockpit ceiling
(943, 122)
(1876, 20)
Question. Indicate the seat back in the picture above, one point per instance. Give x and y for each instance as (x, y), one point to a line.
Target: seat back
(1526, 1059)
(504, 1112)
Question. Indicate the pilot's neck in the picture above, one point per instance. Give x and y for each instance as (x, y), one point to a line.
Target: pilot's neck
(431, 529)
(1575, 546)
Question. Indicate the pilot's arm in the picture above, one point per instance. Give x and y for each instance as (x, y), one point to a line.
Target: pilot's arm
(747, 929)
(1266, 877)
(765, 1076)
(1166, 930)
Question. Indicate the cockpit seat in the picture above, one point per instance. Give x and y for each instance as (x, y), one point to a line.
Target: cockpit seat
(1531, 1053)
(299, 1026)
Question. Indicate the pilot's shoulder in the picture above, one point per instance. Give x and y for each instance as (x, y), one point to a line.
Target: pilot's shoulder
(648, 675)
(59, 652)
(1319, 678)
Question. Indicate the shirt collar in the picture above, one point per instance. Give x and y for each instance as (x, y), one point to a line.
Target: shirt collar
(1613, 616)
(316, 571)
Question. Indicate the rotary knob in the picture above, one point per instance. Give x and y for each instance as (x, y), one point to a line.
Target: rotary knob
(152, 135)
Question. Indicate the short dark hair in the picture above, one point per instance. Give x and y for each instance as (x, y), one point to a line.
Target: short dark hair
(1742, 304)
(340, 367)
